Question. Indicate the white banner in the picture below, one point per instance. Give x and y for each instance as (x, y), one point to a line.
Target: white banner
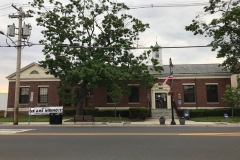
(45, 110)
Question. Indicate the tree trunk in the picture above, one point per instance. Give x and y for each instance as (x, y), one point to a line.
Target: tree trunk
(81, 98)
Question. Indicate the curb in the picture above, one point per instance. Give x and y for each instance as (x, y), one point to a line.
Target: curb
(127, 124)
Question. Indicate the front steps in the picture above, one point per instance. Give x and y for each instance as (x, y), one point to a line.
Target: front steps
(167, 113)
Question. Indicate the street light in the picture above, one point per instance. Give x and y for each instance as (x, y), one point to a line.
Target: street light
(149, 105)
(171, 93)
(1, 32)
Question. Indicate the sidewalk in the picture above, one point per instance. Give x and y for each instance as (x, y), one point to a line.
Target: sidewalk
(148, 122)
(190, 123)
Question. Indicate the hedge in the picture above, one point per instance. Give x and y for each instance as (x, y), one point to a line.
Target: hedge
(211, 112)
(138, 113)
(98, 113)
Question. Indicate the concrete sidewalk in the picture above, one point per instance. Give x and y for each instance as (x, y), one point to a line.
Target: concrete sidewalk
(148, 122)
(187, 123)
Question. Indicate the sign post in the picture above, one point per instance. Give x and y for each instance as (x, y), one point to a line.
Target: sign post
(31, 100)
(44, 111)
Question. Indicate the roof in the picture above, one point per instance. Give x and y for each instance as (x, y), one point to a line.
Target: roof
(22, 69)
(32, 72)
(193, 69)
(157, 46)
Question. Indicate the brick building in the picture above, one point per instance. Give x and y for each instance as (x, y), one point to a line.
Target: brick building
(36, 83)
(194, 86)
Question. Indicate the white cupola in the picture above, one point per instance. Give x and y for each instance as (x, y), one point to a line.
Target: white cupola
(157, 54)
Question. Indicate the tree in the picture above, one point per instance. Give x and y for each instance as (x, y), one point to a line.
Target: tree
(232, 97)
(88, 43)
(224, 28)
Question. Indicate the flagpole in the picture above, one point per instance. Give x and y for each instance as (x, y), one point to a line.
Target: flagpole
(171, 93)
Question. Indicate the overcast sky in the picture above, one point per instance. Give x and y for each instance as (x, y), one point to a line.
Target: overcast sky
(167, 27)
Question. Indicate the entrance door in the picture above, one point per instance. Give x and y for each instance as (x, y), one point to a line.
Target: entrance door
(161, 100)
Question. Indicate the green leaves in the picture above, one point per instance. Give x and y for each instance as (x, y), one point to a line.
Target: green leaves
(225, 31)
(232, 97)
(89, 41)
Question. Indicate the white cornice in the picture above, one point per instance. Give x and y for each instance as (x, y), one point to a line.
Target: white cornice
(35, 80)
(197, 77)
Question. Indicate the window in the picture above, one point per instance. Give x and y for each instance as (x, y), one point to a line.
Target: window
(67, 97)
(109, 99)
(90, 92)
(43, 95)
(238, 80)
(134, 94)
(189, 93)
(34, 72)
(24, 95)
(212, 93)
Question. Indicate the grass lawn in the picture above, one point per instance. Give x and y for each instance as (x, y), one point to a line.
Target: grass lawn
(70, 118)
(26, 118)
(217, 119)
(116, 119)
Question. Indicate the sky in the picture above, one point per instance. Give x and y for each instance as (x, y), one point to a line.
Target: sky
(167, 22)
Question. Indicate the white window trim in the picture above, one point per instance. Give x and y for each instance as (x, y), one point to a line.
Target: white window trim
(133, 84)
(211, 83)
(42, 86)
(188, 84)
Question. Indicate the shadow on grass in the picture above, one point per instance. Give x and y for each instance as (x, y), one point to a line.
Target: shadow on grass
(68, 119)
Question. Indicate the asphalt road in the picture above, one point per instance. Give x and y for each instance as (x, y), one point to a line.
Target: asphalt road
(118, 143)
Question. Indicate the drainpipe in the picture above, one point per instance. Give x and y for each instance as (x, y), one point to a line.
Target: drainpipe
(196, 93)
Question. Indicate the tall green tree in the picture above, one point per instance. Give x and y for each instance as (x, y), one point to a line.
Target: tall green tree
(88, 43)
(232, 97)
(224, 28)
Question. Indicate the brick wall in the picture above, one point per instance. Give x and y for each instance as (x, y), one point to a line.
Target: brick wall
(99, 97)
(200, 91)
(53, 98)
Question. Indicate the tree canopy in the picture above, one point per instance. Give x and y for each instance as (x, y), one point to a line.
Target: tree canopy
(88, 43)
(232, 97)
(224, 28)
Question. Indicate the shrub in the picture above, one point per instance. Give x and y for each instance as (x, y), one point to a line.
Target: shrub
(98, 113)
(211, 112)
(90, 111)
(72, 111)
(111, 113)
(2, 113)
(236, 112)
(138, 113)
(69, 112)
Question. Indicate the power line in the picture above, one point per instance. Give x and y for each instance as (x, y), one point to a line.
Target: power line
(131, 7)
(4, 15)
(164, 5)
(134, 48)
(168, 5)
(15, 4)
(9, 4)
(5, 8)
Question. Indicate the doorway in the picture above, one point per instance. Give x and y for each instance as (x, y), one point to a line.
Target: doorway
(161, 100)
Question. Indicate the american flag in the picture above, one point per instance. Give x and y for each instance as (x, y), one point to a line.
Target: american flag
(170, 77)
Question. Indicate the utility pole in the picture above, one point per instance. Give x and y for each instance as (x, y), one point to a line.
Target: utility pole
(20, 17)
